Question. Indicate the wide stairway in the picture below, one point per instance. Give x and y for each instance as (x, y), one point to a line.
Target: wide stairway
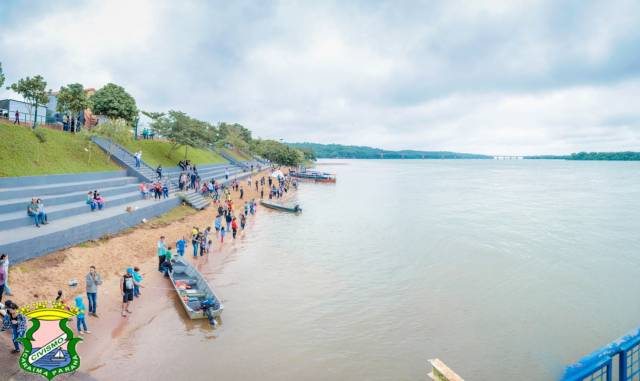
(71, 220)
(234, 169)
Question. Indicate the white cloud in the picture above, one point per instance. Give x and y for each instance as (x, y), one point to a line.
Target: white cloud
(487, 77)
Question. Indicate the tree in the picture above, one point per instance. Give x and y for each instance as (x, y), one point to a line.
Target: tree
(182, 130)
(308, 153)
(278, 152)
(116, 130)
(73, 98)
(114, 102)
(236, 130)
(33, 91)
(1, 75)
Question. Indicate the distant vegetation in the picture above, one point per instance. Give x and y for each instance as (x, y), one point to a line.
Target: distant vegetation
(618, 156)
(363, 152)
(624, 156)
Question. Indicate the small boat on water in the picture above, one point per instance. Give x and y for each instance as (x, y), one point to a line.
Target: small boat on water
(316, 176)
(283, 208)
(195, 293)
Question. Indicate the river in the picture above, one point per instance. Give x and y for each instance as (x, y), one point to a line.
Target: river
(505, 270)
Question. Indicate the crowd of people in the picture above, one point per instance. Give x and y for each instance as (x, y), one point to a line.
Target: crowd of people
(230, 218)
(156, 190)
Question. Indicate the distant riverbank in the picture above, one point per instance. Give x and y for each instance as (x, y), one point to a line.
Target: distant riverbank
(339, 151)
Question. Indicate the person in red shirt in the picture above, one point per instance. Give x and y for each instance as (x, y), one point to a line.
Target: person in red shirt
(234, 227)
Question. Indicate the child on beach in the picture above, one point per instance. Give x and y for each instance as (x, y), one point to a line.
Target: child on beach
(81, 323)
(243, 221)
(126, 289)
(203, 244)
(222, 234)
(209, 247)
(181, 245)
(137, 279)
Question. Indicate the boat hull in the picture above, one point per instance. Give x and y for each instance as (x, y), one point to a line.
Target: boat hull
(280, 208)
(184, 272)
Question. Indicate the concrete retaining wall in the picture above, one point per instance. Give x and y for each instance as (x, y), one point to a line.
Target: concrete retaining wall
(45, 244)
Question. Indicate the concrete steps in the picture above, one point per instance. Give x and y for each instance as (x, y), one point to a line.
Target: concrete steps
(196, 200)
(67, 187)
(58, 212)
(20, 204)
(27, 242)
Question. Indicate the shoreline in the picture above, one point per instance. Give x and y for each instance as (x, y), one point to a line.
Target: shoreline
(40, 278)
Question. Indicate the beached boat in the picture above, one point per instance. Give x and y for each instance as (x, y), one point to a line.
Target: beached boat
(280, 207)
(315, 176)
(195, 293)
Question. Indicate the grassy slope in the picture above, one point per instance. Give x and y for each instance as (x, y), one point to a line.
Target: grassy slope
(238, 155)
(154, 152)
(22, 154)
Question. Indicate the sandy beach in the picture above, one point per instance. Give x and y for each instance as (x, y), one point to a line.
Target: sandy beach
(41, 278)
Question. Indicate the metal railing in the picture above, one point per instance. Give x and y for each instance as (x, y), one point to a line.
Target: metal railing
(598, 366)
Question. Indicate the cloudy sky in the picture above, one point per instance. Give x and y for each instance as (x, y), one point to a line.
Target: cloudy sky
(496, 77)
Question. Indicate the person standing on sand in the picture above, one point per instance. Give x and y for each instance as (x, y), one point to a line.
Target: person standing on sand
(210, 248)
(137, 279)
(218, 223)
(3, 279)
(15, 321)
(243, 221)
(162, 246)
(80, 322)
(93, 281)
(195, 240)
(234, 227)
(222, 234)
(229, 217)
(126, 289)
(181, 244)
(203, 244)
(262, 193)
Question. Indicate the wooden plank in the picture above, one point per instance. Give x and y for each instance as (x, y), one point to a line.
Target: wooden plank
(441, 372)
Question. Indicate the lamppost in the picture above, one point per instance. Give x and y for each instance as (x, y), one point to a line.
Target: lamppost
(135, 128)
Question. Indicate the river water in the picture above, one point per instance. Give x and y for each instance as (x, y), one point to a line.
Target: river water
(505, 270)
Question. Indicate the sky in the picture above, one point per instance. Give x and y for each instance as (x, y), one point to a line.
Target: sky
(493, 77)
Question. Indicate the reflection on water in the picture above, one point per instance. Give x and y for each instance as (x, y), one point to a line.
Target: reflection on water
(502, 269)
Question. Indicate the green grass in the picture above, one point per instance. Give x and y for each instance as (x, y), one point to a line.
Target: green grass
(154, 152)
(22, 153)
(238, 155)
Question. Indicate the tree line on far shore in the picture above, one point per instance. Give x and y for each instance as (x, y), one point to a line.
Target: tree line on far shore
(180, 129)
(614, 156)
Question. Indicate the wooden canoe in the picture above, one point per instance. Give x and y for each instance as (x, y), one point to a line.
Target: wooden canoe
(280, 207)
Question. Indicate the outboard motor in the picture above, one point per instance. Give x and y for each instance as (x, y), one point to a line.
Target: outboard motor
(208, 307)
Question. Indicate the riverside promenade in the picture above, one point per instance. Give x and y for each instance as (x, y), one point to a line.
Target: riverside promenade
(71, 220)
